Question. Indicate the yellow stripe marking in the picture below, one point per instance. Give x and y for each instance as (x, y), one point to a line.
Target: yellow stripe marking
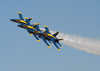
(31, 27)
(50, 35)
(22, 21)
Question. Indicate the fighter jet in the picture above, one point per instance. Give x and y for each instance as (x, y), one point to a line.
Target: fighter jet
(23, 24)
(35, 30)
(53, 37)
(26, 25)
(46, 36)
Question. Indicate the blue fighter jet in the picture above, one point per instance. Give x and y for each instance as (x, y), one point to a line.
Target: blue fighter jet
(26, 25)
(46, 36)
(36, 32)
(41, 35)
(53, 37)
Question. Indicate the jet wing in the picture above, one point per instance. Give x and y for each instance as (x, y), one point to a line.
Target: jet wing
(43, 38)
(49, 42)
(31, 33)
(36, 38)
(59, 44)
(52, 39)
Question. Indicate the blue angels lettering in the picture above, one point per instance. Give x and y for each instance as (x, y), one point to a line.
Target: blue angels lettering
(35, 31)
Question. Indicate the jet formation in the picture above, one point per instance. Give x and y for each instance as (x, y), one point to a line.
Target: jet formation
(35, 31)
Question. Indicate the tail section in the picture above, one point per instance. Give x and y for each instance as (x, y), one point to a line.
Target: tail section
(37, 27)
(22, 19)
(57, 40)
(55, 34)
(20, 16)
(30, 19)
(47, 30)
(27, 20)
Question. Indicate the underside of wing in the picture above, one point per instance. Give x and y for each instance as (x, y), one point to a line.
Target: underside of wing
(45, 42)
(55, 44)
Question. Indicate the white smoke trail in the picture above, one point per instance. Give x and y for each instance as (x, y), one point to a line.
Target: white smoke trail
(84, 44)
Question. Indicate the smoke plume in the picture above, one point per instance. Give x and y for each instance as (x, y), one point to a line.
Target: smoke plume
(81, 43)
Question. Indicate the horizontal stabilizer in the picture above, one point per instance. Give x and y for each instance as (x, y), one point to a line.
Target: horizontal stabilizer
(57, 40)
(30, 19)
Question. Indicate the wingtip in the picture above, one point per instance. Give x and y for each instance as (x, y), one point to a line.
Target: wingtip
(31, 34)
(19, 12)
(59, 49)
(38, 40)
(48, 46)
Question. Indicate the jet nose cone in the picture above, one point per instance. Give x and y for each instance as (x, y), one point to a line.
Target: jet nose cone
(12, 19)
